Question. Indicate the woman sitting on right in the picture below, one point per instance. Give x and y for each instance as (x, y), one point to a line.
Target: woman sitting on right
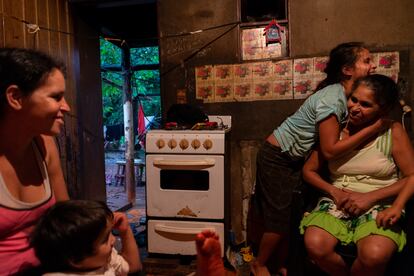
(363, 182)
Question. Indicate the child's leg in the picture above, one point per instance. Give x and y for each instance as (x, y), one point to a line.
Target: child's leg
(268, 244)
(276, 178)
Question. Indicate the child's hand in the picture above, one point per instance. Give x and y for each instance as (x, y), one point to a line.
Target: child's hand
(382, 124)
(388, 217)
(120, 223)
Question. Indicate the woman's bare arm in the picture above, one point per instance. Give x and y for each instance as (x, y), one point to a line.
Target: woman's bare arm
(311, 174)
(54, 169)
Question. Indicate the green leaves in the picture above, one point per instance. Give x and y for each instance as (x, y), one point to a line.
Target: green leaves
(145, 83)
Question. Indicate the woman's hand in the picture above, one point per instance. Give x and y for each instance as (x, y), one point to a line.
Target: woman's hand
(358, 203)
(340, 196)
(121, 223)
(388, 217)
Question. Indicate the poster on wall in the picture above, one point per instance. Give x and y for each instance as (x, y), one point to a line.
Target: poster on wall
(262, 90)
(388, 64)
(243, 72)
(282, 69)
(205, 91)
(282, 89)
(243, 91)
(302, 87)
(273, 80)
(204, 73)
(262, 70)
(223, 72)
(303, 68)
(223, 91)
(253, 44)
(319, 65)
(205, 83)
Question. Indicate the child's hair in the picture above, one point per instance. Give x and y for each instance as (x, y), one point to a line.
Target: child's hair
(386, 92)
(67, 233)
(26, 68)
(345, 54)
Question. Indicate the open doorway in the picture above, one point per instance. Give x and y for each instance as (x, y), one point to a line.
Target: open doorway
(146, 114)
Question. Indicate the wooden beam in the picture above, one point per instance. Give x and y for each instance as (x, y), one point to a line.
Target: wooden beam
(116, 68)
(128, 126)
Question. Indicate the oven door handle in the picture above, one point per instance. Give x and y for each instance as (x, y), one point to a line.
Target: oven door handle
(183, 164)
(181, 230)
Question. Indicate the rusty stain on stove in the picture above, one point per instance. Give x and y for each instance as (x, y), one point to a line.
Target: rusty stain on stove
(186, 212)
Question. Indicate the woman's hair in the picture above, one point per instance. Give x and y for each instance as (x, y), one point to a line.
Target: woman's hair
(343, 55)
(67, 233)
(386, 92)
(26, 68)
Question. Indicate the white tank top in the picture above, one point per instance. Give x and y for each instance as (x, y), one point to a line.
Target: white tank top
(7, 200)
(367, 169)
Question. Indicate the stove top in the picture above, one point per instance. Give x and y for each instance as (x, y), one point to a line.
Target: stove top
(214, 123)
(190, 141)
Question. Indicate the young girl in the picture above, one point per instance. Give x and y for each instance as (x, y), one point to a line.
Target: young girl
(362, 183)
(75, 238)
(280, 160)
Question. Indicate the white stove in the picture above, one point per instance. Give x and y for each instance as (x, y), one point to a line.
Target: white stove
(186, 186)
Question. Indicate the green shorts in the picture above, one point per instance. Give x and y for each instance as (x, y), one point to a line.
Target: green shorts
(352, 230)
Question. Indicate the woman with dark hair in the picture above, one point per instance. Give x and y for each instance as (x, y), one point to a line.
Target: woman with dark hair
(32, 109)
(280, 159)
(362, 184)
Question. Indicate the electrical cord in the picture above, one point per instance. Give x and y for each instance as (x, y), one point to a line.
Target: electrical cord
(406, 109)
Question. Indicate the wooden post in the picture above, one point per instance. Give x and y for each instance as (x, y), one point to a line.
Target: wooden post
(128, 125)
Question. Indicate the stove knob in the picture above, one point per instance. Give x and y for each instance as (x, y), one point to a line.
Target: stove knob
(195, 144)
(208, 144)
(172, 144)
(184, 144)
(160, 143)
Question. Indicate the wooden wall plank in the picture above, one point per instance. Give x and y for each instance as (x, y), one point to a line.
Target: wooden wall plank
(30, 15)
(2, 19)
(73, 178)
(43, 21)
(62, 25)
(54, 28)
(13, 28)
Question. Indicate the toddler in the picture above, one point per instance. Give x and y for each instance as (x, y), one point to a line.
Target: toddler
(75, 238)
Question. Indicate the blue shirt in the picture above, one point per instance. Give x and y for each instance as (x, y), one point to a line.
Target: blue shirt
(299, 132)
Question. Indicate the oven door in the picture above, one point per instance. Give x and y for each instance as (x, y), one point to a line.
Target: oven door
(190, 186)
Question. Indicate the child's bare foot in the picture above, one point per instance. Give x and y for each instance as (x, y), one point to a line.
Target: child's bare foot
(259, 270)
(209, 262)
(282, 271)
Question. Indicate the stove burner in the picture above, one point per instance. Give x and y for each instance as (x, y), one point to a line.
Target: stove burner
(197, 126)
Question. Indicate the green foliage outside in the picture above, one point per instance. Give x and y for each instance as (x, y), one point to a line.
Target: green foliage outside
(145, 83)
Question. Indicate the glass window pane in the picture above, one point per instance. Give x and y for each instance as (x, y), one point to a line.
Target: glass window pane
(263, 10)
(184, 180)
(146, 81)
(144, 55)
(110, 53)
